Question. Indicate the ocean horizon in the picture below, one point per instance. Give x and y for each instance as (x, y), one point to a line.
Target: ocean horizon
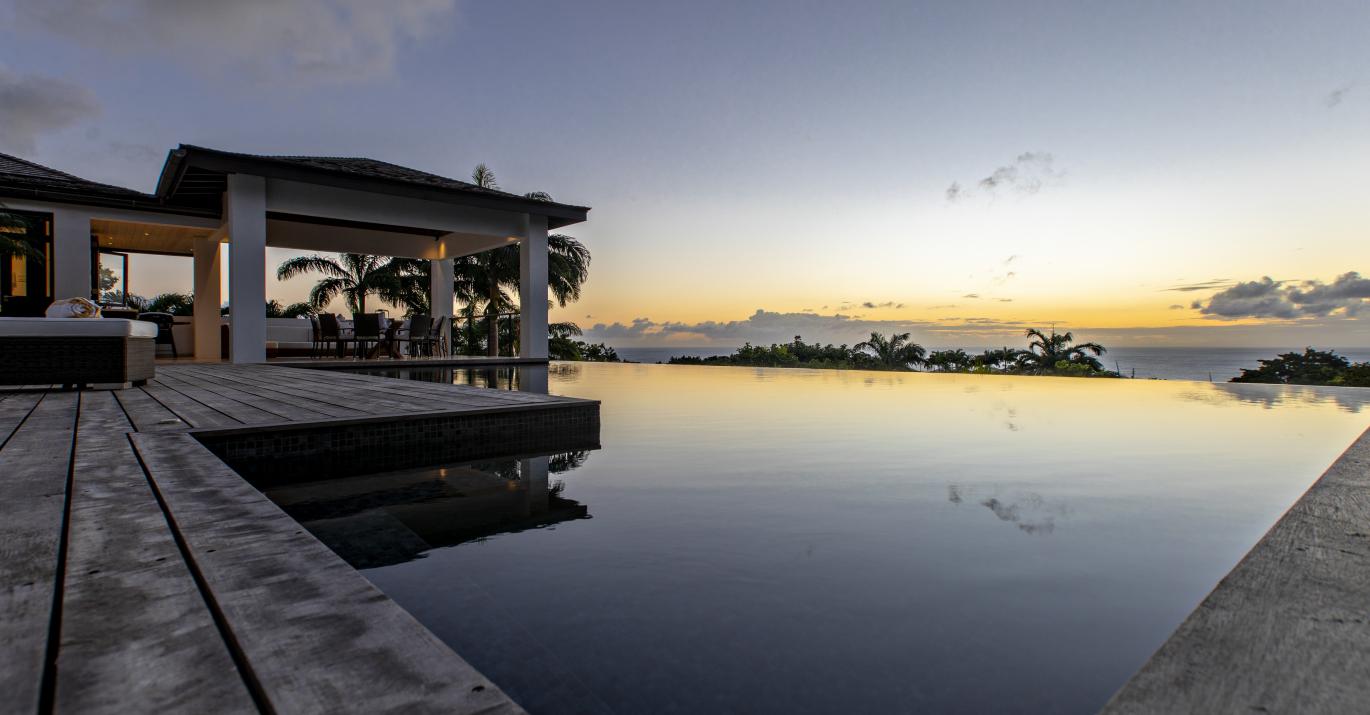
(1158, 363)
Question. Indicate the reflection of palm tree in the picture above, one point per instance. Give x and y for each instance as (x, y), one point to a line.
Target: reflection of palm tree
(566, 461)
(354, 276)
(14, 223)
(1045, 351)
(493, 276)
(896, 351)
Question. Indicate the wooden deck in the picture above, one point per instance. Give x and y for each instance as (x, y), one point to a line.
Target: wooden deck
(139, 573)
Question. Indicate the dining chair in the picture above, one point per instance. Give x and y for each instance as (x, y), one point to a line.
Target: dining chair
(437, 340)
(330, 333)
(420, 335)
(366, 330)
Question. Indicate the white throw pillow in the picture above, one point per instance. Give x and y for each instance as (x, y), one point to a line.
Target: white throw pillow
(73, 308)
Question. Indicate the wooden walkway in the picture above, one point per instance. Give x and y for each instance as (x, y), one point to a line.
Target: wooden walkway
(1288, 630)
(139, 573)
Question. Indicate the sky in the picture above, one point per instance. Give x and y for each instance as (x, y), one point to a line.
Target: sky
(1138, 173)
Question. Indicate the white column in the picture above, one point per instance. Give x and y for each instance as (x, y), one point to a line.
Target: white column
(533, 289)
(245, 215)
(440, 277)
(71, 254)
(207, 298)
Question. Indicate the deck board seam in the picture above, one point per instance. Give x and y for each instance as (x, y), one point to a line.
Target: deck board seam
(235, 650)
(47, 688)
(20, 425)
(197, 401)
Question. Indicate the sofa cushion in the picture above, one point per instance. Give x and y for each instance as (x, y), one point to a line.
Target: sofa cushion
(76, 327)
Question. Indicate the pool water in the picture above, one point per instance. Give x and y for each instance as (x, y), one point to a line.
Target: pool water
(795, 541)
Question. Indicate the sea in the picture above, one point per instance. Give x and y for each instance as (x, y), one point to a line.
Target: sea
(1158, 363)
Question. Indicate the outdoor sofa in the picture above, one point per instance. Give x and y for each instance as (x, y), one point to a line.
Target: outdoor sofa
(76, 351)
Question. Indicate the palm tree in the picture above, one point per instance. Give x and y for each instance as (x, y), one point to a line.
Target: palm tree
(1045, 351)
(354, 276)
(956, 360)
(493, 276)
(895, 352)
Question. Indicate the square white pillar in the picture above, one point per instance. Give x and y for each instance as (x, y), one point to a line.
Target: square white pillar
(71, 254)
(441, 276)
(533, 289)
(245, 217)
(207, 299)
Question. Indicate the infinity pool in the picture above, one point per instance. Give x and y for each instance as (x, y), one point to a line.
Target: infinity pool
(794, 541)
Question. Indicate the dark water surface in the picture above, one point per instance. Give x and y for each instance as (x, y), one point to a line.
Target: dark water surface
(796, 541)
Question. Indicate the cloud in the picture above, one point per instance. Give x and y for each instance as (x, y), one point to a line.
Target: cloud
(972, 296)
(1336, 96)
(869, 305)
(1202, 285)
(766, 327)
(1177, 306)
(33, 105)
(1346, 296)
(1026, 175)
(272, 40)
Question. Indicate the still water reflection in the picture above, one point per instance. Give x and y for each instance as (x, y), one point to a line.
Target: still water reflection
(818, 541)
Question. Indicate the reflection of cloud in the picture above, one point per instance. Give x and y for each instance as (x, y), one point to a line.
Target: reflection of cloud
(1269, 298)
(33, 105)
(317, 39)
(1028, 511)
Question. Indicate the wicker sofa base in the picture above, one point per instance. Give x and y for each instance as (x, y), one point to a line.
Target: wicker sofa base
(76, 360)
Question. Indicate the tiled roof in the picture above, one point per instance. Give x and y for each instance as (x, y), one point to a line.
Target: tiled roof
(363, 167)
(20, 176)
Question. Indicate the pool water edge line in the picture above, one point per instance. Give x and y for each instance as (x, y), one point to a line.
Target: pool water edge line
(1286, 629)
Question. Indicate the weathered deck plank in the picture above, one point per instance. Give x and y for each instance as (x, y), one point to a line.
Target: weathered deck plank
(180, 587)
(285, 392)
(147, 414)
(1288, 630)
(136, 634)
(34, 464)
(427, 391)
(240, 411)
(14, 409)
(328, 641)
(274, 406)
(194, 413)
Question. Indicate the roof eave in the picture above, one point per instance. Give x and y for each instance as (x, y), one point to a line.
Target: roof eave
(178, 160)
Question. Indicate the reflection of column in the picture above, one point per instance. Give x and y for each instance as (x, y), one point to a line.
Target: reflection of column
(207, 299)
(245, 211)
(532, 378)
(533, 472)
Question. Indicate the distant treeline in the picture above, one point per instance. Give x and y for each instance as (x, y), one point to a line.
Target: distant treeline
(1047, 353)
(1311, 367)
